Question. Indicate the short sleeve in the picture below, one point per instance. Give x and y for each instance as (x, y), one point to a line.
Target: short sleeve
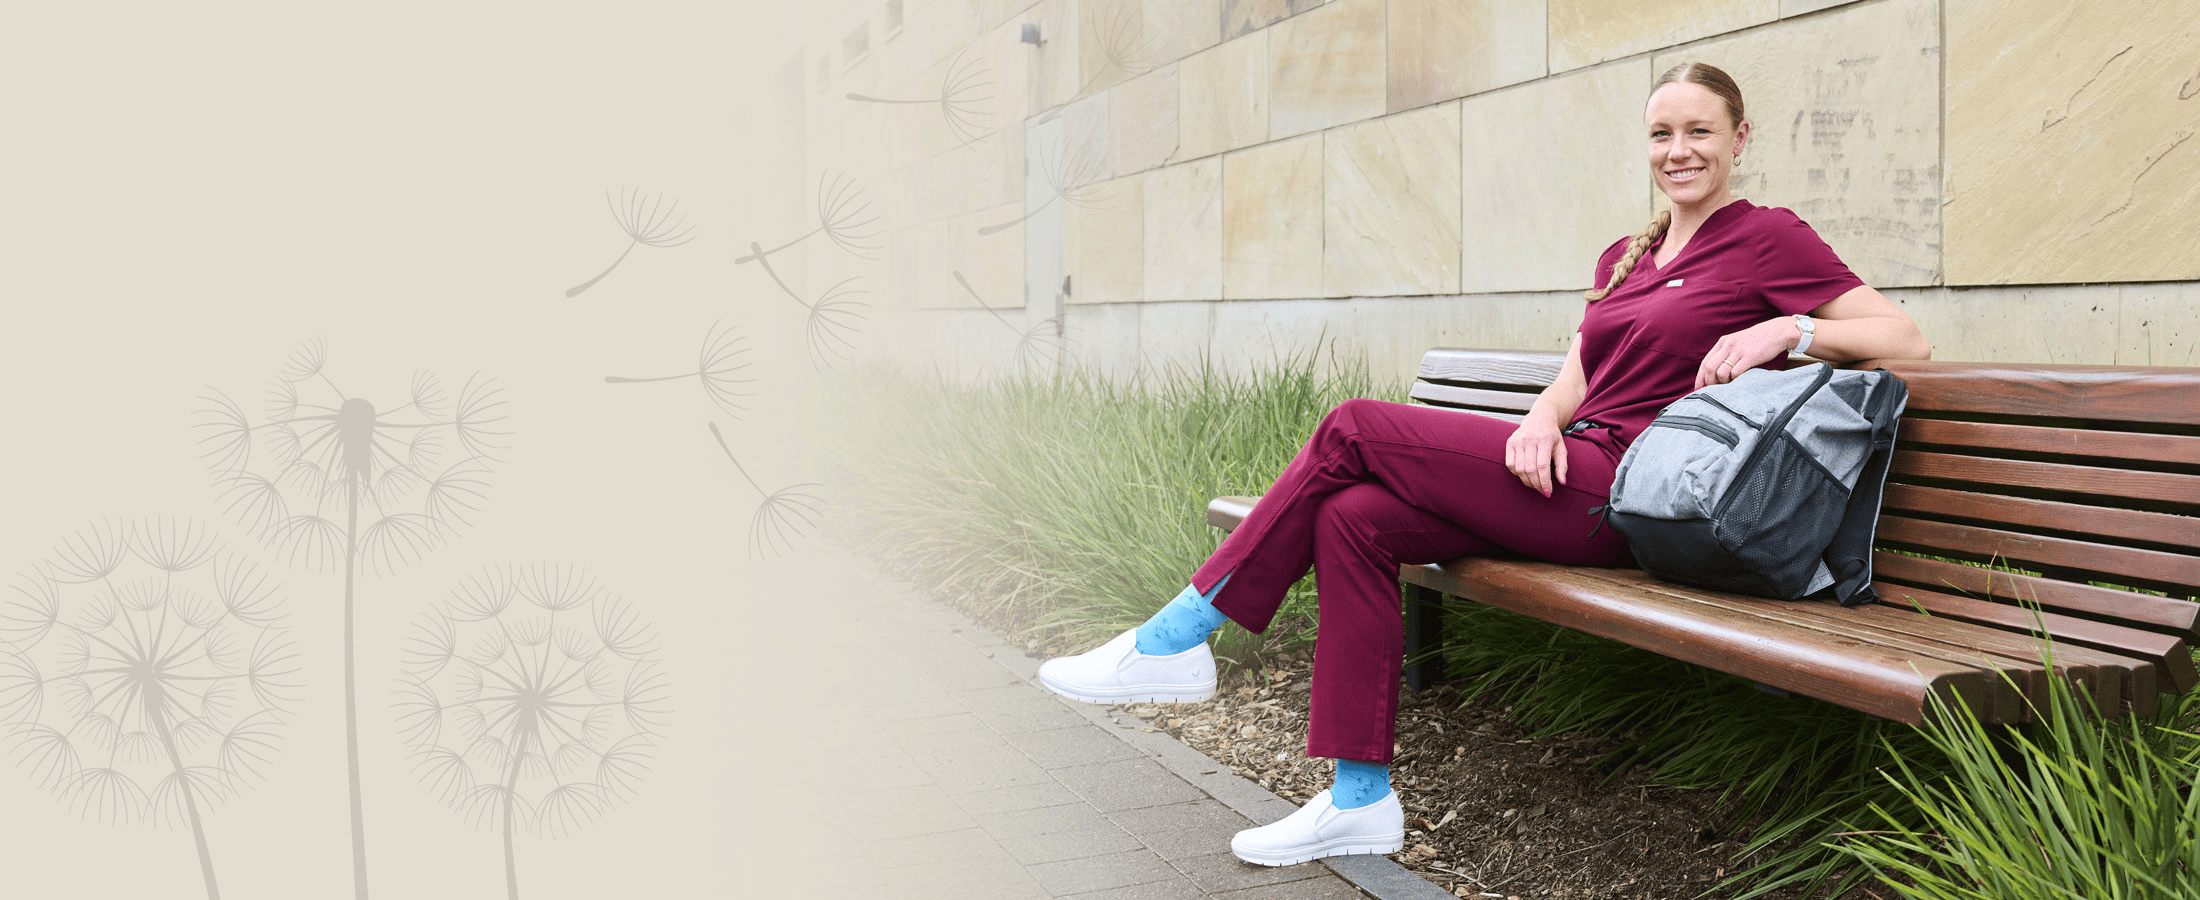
(1609, 259)
(1798, 272)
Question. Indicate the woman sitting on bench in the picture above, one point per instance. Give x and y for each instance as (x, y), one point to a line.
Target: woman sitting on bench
(1710, 289)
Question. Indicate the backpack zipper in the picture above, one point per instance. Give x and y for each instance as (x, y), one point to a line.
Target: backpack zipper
(1716, 431)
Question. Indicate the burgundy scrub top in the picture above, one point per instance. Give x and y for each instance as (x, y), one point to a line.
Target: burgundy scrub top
(1641, 344)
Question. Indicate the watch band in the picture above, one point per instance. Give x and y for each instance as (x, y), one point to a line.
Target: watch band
(1810, 330)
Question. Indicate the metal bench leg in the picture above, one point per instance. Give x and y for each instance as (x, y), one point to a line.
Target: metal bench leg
(1424, 637)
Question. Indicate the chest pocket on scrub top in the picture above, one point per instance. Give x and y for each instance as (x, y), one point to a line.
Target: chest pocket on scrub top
(1685, 320)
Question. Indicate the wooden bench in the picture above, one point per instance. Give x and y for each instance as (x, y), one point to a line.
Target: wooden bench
(2085, 475)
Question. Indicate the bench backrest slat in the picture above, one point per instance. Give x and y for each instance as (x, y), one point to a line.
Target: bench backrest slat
(2080, 473)
(2162, 396)
(2175, 532)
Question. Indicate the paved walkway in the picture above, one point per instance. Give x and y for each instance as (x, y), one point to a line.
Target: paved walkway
(950, 773)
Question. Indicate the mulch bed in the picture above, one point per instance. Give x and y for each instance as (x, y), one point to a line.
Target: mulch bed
(1489, 811)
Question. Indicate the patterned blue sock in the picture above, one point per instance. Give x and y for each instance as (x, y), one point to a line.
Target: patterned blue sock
(1359, 783)
(1186, 621)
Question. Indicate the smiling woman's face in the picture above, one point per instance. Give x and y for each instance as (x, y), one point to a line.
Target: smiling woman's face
(1693, 143)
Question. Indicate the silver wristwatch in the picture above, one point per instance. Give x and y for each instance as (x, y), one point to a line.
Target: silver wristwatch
(1810, 330)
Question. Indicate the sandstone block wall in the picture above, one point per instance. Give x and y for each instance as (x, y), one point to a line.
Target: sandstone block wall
(1240, 177)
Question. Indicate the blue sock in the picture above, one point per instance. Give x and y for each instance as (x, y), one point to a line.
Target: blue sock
(1359, 783)
(1186, 621)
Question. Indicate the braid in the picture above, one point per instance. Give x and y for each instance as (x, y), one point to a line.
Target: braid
(1634, 253)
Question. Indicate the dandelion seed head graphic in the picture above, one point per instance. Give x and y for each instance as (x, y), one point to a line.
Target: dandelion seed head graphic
(322, 474)
(531, 698)
(144, 672)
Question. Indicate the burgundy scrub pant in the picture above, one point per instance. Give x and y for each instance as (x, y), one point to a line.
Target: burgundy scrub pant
(1382, 484)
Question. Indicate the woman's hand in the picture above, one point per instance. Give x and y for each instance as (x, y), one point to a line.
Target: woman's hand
(1536, 452)
(1746, 349)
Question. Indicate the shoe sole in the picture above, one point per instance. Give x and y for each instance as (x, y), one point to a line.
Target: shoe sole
(1166, 694)
(1347, 847)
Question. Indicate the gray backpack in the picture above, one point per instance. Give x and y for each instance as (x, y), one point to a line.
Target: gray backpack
(1766, 485)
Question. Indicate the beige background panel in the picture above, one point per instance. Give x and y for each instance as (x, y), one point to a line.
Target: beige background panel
(1224, 100)
(1243, 17)
(2073, 141)
(1104, 244)
(1390, 200)
(1442, 49)
(1535, 217)
(1587, 32)
(1142, 121)
(1328, 68)
(1088, 154)
(1846, 130)
(1390, 333)
(1272, 220)
(2050, 324)
(1184, 231)
(993, 264)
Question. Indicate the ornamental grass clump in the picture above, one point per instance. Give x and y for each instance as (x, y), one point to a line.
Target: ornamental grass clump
(2076, 805)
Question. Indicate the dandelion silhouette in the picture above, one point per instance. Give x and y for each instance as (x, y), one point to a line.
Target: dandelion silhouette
(1124, 46)
(531, 699)
(782, 516)
(843, 214)
(416, 470)
(831, 319)
(144, 675)
(963, 96)
(1045, 337)
(649, 222)
(718, 368)
(1073, 174)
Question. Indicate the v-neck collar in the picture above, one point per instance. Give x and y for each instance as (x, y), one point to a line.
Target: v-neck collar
(1717, 216)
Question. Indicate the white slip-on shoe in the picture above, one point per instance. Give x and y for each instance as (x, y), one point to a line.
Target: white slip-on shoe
(1117, 673)
(1320, 829)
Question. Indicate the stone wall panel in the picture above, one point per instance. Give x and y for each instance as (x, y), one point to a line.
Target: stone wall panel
(1104, 244)
(1272, 220)
(1845, 130)
(1142, 121)
(1184, 231)
(1224, 97)
(1444, 49)
(1327, 68)
(1390, 200)
(2073, 141)
(1536, 221)
(1587, 32)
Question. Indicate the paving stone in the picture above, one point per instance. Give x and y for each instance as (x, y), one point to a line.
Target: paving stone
(994, 875)
(1172, 816)
(1037, 849)
(1094, 873)
(1075, 746)
(1218, 872)
(930, 708)
(981, 767)
(1178, 889)
(955, 719)
(1126, 784)
(899, 812)
(1018, 708)
(1029, 796)
(1020, 823)
(1380, 876)
(859, 767)
(1184, 843)
(923, 848)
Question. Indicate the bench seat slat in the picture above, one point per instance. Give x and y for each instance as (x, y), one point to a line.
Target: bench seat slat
(2180, 618)
(2110, 676)
(2137, 568)
(2126, 524)
(2169, 653)
(2092, 481)
(2168, 448)
(1879, 681)
(2103, 393)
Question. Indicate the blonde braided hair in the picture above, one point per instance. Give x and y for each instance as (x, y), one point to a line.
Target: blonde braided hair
(1635, 249)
